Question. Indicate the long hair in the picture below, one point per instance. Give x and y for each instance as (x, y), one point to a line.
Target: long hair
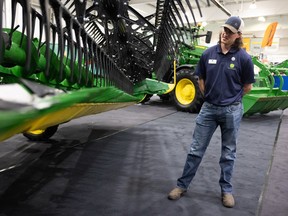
(238, 43)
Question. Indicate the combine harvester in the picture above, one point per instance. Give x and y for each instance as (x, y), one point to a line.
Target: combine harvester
(66, 59)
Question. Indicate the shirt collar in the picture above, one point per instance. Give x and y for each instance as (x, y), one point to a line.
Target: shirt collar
(232, 50)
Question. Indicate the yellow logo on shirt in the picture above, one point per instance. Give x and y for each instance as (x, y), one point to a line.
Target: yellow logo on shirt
(232, 65)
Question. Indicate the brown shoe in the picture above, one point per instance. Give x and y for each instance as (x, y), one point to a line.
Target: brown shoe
(176, 193)
(228, 200)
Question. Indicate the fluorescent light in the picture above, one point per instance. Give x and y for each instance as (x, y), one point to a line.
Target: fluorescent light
(261, 19)
(204, 23)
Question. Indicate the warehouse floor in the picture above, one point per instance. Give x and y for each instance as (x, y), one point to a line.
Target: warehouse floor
(124, 163)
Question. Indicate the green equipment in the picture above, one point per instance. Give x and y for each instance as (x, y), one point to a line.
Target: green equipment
(186, 95)
(270, 92)
(72, 58)
(60, 60)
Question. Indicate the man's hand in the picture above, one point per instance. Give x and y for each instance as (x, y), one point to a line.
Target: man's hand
(247, 88)
(201, 86)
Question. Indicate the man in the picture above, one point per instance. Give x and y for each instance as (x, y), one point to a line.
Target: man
(226, 73)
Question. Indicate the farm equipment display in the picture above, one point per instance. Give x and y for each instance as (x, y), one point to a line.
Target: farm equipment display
(60, 60)
(186, 95)
(269, 93)
(67, 59)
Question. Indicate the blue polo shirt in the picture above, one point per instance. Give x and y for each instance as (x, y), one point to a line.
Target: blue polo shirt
(225, 74)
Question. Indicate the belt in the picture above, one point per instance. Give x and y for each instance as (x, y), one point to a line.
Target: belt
(233, 104)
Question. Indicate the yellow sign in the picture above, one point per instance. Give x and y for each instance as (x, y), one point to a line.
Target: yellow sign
(269, 34)
(246, 44)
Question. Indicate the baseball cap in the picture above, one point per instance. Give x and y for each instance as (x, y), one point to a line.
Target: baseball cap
(234, 23)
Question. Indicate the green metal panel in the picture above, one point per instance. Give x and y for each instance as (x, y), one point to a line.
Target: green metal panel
(259, 101)
(267, 95)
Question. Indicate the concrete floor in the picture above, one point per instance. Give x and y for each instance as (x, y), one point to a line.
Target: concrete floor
(124, 163)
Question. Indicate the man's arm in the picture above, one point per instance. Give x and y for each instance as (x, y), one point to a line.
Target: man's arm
(247, 88)
(201, 85)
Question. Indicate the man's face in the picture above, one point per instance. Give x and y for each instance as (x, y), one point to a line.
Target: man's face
(228, 37)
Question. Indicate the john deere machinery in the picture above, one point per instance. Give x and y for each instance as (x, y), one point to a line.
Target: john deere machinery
(186, 95)
(60, 60)
(270, 92)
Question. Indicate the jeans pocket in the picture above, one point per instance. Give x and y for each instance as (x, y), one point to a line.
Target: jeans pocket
(207, 105)
(234, 107)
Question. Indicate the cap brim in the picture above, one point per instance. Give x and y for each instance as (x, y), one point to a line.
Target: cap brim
(234, 30)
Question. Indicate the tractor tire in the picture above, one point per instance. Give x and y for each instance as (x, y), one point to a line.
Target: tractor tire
(41, 135)
(165, 97)
(187, 96)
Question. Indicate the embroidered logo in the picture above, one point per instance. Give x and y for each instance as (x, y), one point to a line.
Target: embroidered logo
(232, 65)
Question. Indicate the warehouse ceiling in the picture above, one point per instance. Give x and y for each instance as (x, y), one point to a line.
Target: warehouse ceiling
(270, 10)
(236, 7)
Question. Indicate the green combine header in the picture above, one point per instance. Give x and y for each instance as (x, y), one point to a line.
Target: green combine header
(66, 59)
(60, 60)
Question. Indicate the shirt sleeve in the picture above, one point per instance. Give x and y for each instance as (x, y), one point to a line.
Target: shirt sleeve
(248, 71)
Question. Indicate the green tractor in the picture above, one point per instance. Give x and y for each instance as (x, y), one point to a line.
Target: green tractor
(269, 93)
(186, 94)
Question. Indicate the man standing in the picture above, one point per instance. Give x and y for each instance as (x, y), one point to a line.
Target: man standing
(226, 73)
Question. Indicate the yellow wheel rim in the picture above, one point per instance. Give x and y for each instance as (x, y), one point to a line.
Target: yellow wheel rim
(185, 91)
(36, 132)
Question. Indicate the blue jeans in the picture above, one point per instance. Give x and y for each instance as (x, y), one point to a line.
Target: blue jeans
(209, 118)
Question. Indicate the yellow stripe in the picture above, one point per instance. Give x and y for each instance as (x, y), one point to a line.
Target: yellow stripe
(62, 116)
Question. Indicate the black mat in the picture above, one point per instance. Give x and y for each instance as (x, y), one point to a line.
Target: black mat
(274, 199)
(125, 162)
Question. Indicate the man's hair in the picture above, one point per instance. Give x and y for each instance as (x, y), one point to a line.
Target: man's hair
(238, 43)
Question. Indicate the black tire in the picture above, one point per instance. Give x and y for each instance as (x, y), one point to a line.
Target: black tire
(186, 95)
(165, 97)
(41, 135)
(146, 98)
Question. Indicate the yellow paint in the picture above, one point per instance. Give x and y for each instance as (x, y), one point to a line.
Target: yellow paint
(172, 86)
(37, 132)
(62, 116)
(201, 47)
(185, 91)
(246, 44)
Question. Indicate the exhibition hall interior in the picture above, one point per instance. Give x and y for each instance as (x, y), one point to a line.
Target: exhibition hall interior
(143, 107)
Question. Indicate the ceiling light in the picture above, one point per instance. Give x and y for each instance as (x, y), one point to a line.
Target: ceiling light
(261, 19)
(204, 24)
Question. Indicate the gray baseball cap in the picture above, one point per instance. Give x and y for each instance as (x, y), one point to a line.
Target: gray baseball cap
(234, 23)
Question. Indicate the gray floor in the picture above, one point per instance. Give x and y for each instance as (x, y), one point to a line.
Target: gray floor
(124, 162)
